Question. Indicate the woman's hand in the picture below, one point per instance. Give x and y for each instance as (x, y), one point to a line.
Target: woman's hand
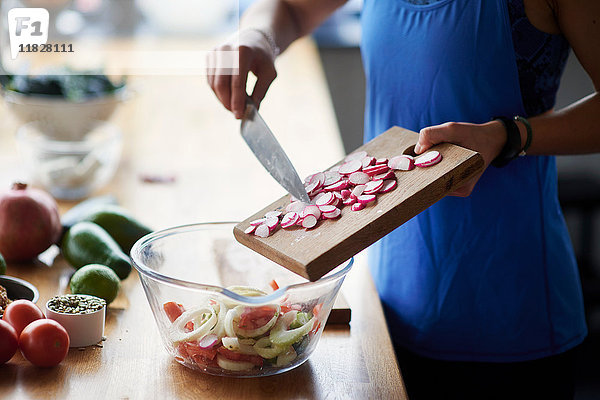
(255, 55)
(486, 139)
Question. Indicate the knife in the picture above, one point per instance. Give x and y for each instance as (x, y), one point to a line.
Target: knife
(269, 152)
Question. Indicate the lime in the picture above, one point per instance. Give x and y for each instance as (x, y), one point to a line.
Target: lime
(96, 280)
(2, 265)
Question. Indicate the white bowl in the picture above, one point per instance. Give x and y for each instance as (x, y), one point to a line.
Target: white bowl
(62, 119)
(83, 329)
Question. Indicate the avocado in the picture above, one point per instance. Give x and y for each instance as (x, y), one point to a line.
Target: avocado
(88, 243)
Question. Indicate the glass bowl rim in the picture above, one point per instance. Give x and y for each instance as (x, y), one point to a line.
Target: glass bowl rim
(271, 297)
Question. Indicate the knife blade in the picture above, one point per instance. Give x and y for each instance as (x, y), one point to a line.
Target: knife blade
(269, 152)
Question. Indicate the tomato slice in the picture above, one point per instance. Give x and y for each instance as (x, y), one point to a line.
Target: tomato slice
(255, 317)
(173, 310)
(193, 349)
(274, 285)
(232, 355)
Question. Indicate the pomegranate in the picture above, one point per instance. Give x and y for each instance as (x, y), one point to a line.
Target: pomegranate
(29, 222)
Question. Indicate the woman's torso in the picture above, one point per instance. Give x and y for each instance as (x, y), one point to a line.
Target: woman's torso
(491, 277)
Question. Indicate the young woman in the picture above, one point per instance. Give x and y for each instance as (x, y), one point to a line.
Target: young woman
(481, 291)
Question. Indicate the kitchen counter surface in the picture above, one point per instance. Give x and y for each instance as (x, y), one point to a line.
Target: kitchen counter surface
(174, 128)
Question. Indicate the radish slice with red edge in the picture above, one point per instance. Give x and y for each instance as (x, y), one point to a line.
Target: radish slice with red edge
(345, 194)
(373, 187)
(258, 222)
(357, 206)
(296, 206)
(359, 178)
(273, 214)
(272, 222)
(350, 167)
(262, 231)
(358, 190)
(402, 163)
(310, 221)
(327, 208)
(366, 198)
(376, 169)
(311, 210)
(331, 178)
(250, 229)
(208, 341)
(327, 198)
(342, 184)
(290, 219)
(388, 186)
(428, 159)
(381, 161)
(386, 175)
(367, 161)
(333, 214)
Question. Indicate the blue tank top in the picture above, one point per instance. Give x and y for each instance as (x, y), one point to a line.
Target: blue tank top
(491, 277)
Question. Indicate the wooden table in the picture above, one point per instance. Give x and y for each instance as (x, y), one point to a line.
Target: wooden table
(175, 126)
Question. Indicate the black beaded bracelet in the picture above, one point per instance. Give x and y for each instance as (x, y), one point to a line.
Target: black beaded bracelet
(512, 147)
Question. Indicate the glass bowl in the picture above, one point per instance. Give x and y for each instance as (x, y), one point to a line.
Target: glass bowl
(225, 310)
(70, 170)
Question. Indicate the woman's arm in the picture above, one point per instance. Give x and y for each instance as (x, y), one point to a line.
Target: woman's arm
(267, 27)
(572, 130)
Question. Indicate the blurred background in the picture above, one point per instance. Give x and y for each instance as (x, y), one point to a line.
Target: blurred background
(338, 42)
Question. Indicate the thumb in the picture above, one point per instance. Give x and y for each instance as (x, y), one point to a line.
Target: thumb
(433, 135)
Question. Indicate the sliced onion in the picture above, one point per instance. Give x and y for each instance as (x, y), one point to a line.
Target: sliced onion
(266, 349)
(177, 329)
(263, 329)
(235, 344)
(231, 365)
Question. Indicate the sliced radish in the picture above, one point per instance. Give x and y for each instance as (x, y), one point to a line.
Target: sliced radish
(311, 210)
(262, 231)
(296, 206)
(342, 184)
(388, 186)
(327, 208)
(403, 163)
(335, 168)
(376, 169)
(315, 192)
(250, 229)
(331, 178)
(272, 222)
(381, 161)
(350, 167)
(359, 178)
(327, 198)
(359, 155)
(358, 190)
(386, 175)
(428, 159)
(333, 214)
(258, 222)
(310, 221)
(367, 161)
(349, 201)
(345, 194)
(373, 187)
(273, 214)
(366, 198)
(312, 186)
(357, 206)
(290, 219)
(338, 195)
(208, 341)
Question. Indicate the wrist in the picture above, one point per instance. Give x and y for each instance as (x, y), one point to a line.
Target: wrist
(265, 35)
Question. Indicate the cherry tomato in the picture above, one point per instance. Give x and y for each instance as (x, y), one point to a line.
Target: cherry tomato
(44, 342)
(21, 313)
(9, 341)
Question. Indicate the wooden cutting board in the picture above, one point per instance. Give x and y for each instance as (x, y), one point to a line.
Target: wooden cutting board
(313, 253)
